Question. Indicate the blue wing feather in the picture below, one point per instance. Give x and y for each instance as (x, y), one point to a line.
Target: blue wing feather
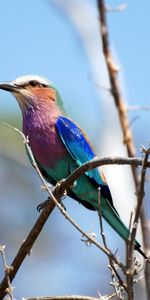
(79, 148)
(77, 145)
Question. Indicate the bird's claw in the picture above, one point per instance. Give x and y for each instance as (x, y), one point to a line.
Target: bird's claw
(43, 204)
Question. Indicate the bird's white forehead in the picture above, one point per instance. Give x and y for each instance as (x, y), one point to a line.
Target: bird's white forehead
(27, 78)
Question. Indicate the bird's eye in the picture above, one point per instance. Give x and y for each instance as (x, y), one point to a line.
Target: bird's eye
(34, 83)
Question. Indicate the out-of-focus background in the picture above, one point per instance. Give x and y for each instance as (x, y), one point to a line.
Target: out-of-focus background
(60, 40)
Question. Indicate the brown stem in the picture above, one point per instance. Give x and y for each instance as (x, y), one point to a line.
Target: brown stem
(131, 242)
(123, 118)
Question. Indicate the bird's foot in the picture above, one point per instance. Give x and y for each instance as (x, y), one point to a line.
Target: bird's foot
(43, 204)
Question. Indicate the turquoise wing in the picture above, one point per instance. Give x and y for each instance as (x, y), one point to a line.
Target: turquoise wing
(81, 151)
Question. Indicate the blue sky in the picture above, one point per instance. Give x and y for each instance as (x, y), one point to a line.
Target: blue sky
(37, 38)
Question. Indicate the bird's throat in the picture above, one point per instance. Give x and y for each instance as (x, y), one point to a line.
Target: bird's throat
(44, 139)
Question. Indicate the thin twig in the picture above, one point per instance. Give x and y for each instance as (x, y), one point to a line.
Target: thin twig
(131, 242)
(7, 272)
(73, 297)
(100, 218)
(138, 107)
(140, 196)
(119, 8)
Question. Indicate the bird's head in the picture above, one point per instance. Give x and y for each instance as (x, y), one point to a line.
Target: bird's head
(33, 91)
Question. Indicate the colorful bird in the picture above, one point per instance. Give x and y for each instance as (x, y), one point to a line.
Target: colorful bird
(60, 146)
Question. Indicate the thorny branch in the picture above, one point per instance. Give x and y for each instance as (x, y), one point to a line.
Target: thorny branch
(73, 297)
(112, 73)
(7, 271)
(124, 122)
(130, 246)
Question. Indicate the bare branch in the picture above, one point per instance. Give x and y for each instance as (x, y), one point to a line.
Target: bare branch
(119, 8)
(73, 297)
(7, 272)
(138, 107)
(112, 72)
(131, 241)
(97, 162)
(123, 117)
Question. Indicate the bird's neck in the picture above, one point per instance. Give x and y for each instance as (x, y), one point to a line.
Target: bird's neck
(38, 119)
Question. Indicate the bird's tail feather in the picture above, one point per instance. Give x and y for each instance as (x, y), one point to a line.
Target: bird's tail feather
(110, 215)
(115, 222)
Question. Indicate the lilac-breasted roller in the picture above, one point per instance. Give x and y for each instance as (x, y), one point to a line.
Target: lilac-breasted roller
(60, 146)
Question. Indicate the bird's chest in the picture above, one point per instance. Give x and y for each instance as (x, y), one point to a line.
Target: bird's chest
(46, 144)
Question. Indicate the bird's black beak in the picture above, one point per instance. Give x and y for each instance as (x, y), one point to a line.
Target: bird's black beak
(9, 87)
